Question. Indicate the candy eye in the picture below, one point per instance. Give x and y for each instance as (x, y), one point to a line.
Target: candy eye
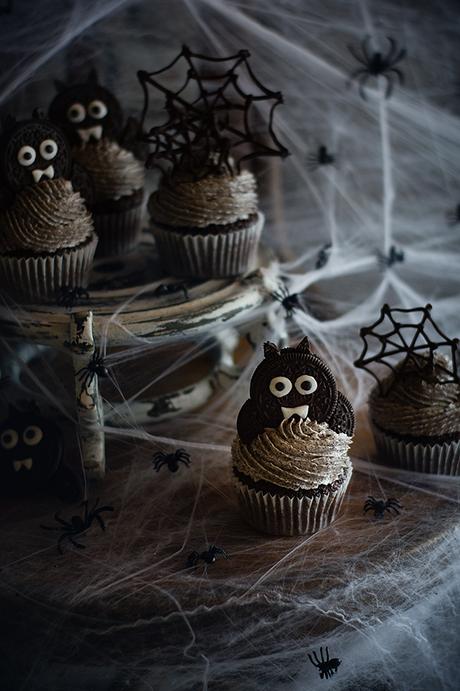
(32, 435)
(280, 386)
(97, 109)
(26, 155)
(48, 149)
(9, 439)
(76, 113)
(306, 384)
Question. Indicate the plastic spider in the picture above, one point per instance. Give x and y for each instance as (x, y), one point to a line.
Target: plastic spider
(327, 668)
(209, 556)
(394, 256)
(94, 368)
(453, 217)
(321, 158)
(172, 460)
(78, 525)
(169, 288)
(377, 65)
(290, 301)
(323, 255)
(379, 506)
(69, 296)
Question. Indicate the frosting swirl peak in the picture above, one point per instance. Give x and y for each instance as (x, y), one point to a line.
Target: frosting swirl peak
(299, 454)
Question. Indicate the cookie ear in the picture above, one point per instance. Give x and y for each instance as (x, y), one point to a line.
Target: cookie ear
(92, 76)
(304, 345)
(271, 350)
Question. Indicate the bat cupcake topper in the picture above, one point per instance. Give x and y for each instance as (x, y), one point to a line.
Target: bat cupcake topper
(293, 382)
(213, 117)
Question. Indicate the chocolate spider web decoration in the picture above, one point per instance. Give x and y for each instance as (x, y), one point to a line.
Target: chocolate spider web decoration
(200, 134)
(394, 342)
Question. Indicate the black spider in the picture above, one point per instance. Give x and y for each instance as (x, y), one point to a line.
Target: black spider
(94, 368)
(377, 65)
(168, 288)
(172, 460)
(387, 260)
(78, 525)
(323, 255)
(327, 668)
(290, 301)
(379, 506)
(321, 158)
(209, 556)
(69, 296)
(453, 217)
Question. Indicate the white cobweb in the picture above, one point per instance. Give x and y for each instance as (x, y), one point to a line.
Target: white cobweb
(383, 596)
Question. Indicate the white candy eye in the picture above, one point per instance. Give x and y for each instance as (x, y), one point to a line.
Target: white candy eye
(48, 149)
(306, 384)
(97, 109)
(280, 386)
(26, 155)
(32, 435)
(76, 113)
(9, 439)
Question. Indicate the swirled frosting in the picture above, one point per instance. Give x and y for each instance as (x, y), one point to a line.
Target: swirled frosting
(45, 217)
(417, 402)
(115, 171)
(299, 454)
(212, 200)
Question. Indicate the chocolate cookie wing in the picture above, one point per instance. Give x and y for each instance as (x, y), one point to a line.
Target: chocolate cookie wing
(82, 182)
(249, 423)
(343, 417)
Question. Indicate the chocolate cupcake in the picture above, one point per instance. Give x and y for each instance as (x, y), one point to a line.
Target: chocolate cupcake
(205, 215)
(290, 458)
(92, 118)
(47, 237)
(415, 410)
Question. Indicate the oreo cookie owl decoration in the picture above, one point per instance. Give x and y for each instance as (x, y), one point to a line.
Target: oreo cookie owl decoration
(293, 382)
(92, 118)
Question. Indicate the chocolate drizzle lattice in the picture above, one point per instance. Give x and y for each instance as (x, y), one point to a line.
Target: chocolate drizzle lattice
(410, 338)
(212, 118)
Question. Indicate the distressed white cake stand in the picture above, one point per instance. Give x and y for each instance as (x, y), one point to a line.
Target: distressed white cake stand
(124, 306)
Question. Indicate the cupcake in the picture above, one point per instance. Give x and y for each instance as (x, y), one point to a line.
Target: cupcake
(290, 458)
(92, 118)
(47, 237)
(415, 410)
(204, 215)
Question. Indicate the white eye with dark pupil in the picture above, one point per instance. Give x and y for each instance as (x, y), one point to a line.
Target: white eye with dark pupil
(306, 384)
(32, 435)
(97, 109)
(26, 155)
(76, 113)
(280, 386)
(9, 439)
(48, 149)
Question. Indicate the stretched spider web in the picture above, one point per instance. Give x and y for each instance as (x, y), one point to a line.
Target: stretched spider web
(390, 337)
(213, 120)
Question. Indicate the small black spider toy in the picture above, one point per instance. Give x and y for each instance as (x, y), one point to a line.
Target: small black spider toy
(377, 65)
(453, 217)
(69, 296)
(321, 158)
(290, 301)
(323, 255)
(209, 556)
(170, 288)
(94, 368)
(379, 506)
(327, 668)
(393, 256)
(172, 460)
(78, 525)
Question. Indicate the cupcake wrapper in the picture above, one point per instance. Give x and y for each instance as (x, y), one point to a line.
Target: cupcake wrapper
(210, 256)
(278, 515)
(38, 279)
(438, 459)
(119, 231)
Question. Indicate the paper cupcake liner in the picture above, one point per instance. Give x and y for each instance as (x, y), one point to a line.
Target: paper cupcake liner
(283, 515)
(119, 231)
(37, 279)
(438, 459)
(215, 255)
